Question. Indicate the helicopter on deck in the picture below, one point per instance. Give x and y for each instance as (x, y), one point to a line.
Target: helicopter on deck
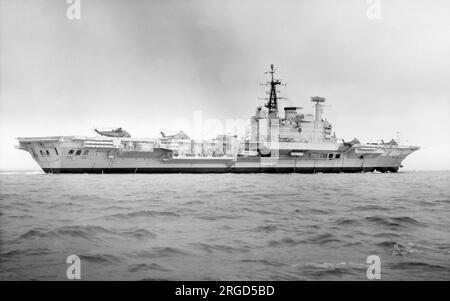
(117, 132)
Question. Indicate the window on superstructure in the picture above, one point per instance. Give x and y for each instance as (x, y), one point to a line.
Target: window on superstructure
(338, 156)
(71, 152)
(78, 152)
(56, 151)
(48, 153)
(86, 152)
(330, 156)
(42, 153)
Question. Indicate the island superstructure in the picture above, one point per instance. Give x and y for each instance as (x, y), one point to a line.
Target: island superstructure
(294, 143)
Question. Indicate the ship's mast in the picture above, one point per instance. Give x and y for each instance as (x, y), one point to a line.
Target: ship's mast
(272, 104)
(319, 103)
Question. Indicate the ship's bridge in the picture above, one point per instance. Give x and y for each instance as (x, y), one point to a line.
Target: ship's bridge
(294, 127)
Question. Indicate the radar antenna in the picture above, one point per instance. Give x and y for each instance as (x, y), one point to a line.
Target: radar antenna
(272, 103)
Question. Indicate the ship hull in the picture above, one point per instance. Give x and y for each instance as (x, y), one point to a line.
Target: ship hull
(225, 165)
(193, 170)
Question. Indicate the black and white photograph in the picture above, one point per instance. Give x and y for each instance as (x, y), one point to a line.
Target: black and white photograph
(224, 140)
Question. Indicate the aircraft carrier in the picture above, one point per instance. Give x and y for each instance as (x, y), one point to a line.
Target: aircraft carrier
(294, 143)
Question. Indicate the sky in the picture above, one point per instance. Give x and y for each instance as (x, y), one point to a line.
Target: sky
(144, 65)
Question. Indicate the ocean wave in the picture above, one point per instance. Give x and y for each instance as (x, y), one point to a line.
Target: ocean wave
(88, 232)
(266, 228)
(230, 249)
(416, 265)
(211, 248)
(55, 205)
(322, 239)
(346, 221)
(35, 233)
(263, 262)
(143, 213)
(218, 217)
(396, 249)
(195, 202)
(393, 222)
(81, 198)
(287, 241)
(444, 200)
(353, 243)
(24, 252)
(4, 196)
(85, 232)
(100, 258)
(333, 269)
(156, 252)
(12, 253)
(316, 211)
(386, 235)
(136, 233)
(21, 216)
(406, 220)
(115, 207)
(147, 267)
(370, 207)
